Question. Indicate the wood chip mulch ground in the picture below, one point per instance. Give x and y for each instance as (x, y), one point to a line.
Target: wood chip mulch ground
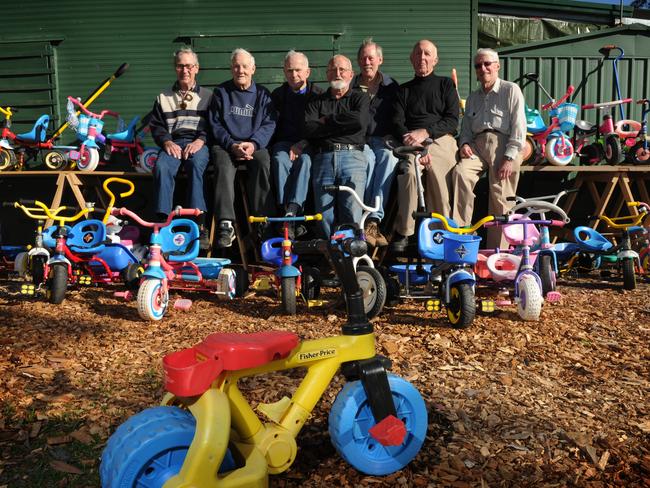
(559, 402)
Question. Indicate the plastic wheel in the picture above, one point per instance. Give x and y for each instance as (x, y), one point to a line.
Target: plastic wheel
(546, 273)
(227, 284)
(350, 419)
(629, 277)
(241, 280)
(152, 300)
(640, 154)
(310, 283)
(37, 269)
(461, 308)
(21, 265)
(58, 282)
(288, 291)
(147, 160)
(89, 159)
(55, 160)
(7, 158)
(392, 287)
(132, 274)
(591, 154)
(373, 287)
(613, 150)
(149, 448)
(559, 151)
(529, 306)
(531, 152)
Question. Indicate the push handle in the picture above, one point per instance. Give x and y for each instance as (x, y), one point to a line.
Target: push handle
(607, 104)
(568, 93)
(349, 190)
(124, 194)
(538, 207)
(120, 71)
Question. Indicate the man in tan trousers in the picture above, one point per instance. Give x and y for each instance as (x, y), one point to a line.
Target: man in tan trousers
(491, 138)
(427, 107)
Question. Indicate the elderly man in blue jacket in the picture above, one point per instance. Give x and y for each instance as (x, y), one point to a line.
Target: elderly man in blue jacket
(243, 120)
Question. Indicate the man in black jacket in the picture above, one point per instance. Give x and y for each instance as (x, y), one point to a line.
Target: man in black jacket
(427, 107)
(336, 123)
(290, 154)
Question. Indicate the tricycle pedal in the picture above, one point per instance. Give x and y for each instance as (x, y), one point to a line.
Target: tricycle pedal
(263, 283)
(432, 305)
(553, 296)
(27, 289)
(315, 303)
(487, 306)
(85, 280)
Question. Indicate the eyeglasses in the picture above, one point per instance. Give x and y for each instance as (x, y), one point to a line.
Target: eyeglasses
(485, 64)
(339, 70)
(181, 67)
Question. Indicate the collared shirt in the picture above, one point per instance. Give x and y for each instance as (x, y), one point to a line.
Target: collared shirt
(346, 118)
(501, 110)
(381, 104)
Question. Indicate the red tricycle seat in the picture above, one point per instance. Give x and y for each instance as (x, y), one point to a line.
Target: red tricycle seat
(191, 371)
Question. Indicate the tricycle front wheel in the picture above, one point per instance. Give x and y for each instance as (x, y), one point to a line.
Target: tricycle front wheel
(152, 299)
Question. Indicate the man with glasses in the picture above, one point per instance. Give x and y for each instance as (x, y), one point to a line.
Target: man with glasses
(179, 127)
(243, 120)
(491, 138)
(427, 107)
(335, 124)
(291, 154)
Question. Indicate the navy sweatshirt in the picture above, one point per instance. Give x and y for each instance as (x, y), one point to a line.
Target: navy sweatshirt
(291, 111)
(242, 115)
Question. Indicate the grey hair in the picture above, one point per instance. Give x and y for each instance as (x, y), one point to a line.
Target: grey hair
(240, 50)
(186, 50)
(485, 51)
(296, 53)
(369, 42)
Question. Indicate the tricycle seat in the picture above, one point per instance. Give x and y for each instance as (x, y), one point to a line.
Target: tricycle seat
(127, 135)
(591, 240)
(37, 134)
(191, 371)
(210, 267)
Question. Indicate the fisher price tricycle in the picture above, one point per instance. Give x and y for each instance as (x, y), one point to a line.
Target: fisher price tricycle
(207, 434)
(173, 263)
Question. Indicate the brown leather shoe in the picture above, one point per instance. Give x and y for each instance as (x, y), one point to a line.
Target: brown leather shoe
(371, 230)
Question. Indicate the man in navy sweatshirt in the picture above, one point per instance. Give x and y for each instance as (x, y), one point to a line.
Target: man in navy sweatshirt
(243, 120)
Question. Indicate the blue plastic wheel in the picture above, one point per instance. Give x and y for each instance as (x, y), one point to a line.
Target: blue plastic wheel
(350, 419)
(149, 448)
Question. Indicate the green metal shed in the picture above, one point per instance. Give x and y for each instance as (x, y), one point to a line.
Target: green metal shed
(49, 50)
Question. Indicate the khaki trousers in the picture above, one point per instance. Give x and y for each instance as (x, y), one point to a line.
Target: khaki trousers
(489, 147)
(437, 182)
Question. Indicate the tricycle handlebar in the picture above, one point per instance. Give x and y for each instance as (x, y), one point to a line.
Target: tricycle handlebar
(83, 108)
(460, 230)
(556, 104)
(533, 206)
(350, 190)
(297, 218)
(177, 212)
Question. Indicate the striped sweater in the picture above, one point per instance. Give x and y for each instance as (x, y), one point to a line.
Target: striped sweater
(169, 122)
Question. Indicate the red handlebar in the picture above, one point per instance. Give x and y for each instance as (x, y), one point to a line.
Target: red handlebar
(568, 93)
(607, 104)
(92, 114)
(179, 212)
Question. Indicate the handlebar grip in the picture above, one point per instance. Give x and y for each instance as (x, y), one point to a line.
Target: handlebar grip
(511, 199)
(256, 220)
(120, 71)
(314, 217)
(8, 204)
(329, 188)
(502, 219)
(421, 215)
(26, 202)
(355, 247)
(557, 223)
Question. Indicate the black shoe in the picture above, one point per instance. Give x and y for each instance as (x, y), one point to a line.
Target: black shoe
(225, 234)
(204, 239)
(399, 243)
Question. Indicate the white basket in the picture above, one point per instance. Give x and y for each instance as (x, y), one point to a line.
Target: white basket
(567, 113)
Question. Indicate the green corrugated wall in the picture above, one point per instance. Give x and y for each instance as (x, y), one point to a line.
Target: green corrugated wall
(90, 40)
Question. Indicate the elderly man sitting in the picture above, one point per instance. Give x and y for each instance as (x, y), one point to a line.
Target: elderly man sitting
(243, 121)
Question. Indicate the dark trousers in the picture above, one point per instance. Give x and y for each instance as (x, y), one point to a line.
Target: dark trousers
(258, 183)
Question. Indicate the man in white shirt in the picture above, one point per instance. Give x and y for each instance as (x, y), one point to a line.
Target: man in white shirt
(491, 138)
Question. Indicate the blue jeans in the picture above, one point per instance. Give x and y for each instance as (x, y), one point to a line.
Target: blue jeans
(165, 172)
(291, 178)
(381, 173)
(338, 168)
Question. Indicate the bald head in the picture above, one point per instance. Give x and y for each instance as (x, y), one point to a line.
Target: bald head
(339, 72)
(424, 57)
